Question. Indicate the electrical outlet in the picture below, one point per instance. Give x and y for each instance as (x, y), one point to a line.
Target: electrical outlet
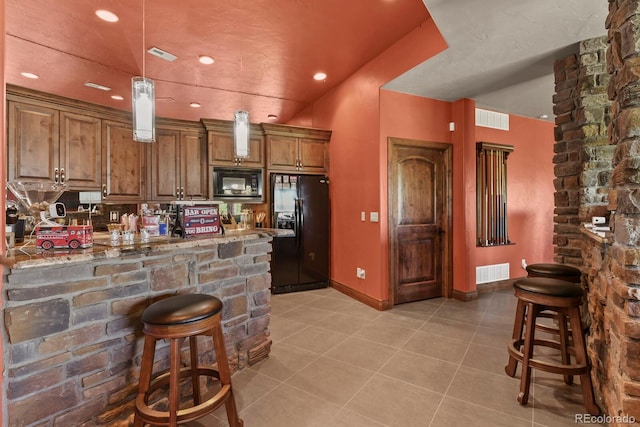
(524, 263)
(360, 273)
(363, 216)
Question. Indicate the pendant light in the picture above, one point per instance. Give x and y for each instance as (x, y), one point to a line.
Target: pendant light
(143, 99)
(241, 133)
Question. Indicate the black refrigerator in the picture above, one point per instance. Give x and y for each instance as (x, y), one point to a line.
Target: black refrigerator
(301, 261)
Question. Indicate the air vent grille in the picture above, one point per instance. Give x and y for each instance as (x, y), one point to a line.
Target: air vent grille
(491, 119)
(155, 51)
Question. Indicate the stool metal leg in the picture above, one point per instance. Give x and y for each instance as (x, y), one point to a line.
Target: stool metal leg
(146, 368)
(581, 357)
(518, 326)
(530, 327)
(564, 345)
(225, 375)
(174, 382)
(195, 378)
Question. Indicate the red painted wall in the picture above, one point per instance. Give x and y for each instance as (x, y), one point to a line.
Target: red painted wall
(362, 117)
(530, 202)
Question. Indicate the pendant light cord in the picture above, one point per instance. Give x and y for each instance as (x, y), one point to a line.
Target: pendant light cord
(143, 40)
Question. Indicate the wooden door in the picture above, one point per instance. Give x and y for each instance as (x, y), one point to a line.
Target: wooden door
(221, 151)
(80, 151)
(419, 212)
(193, 177)
(313, 156)
(33, 143)
(165, 165)
(283, 152)
(123, 164)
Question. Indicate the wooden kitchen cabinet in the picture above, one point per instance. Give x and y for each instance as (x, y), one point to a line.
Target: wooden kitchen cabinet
(220, 142)
(123, 164)
(297, 149)
(178, 165)
(53, 145)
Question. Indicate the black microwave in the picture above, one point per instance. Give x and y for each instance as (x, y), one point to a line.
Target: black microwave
(237, 185)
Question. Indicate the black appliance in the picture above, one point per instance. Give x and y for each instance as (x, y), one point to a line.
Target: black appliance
(241, 185)
(300, 203)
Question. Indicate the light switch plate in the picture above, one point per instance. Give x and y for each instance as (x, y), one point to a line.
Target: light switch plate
(373, 216)
(363, 216)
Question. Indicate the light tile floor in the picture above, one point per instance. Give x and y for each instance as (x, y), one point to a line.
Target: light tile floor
(337, 362)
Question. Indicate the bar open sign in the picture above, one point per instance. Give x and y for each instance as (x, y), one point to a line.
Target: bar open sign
(200, 220)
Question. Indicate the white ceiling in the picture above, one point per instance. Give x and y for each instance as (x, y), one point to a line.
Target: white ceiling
(501, 52)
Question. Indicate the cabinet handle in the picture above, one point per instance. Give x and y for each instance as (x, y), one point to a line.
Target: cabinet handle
(104, 190)
(56, 176)
(63, 178)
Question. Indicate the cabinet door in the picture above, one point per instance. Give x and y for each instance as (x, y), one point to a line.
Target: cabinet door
(164, 179)
(283, 152)
(221, 152)
(33, 143)
(313, 156)
(123, 163)
(80, 151)
(193, 155)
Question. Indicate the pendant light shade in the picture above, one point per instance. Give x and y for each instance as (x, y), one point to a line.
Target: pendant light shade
(143, 98)
(241, 133)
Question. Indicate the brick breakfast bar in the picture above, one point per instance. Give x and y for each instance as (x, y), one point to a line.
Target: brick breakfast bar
(73, 335)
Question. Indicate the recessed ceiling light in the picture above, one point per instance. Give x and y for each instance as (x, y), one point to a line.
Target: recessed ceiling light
(105, 15)
(195, 105)
(30, 75)
(97, 86)
(272, 117)
(543, 116)
(117, 97)
(207, 60)
(320, 76)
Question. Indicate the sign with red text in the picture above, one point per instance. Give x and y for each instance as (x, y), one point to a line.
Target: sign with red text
(200, 220)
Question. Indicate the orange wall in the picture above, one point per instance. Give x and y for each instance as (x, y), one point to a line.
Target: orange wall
(352, 112)
(530, 194)
(362, 117)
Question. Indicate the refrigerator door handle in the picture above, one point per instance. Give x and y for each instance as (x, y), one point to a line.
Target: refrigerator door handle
(300, 217)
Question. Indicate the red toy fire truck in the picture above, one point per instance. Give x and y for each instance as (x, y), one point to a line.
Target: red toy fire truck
(64, 236)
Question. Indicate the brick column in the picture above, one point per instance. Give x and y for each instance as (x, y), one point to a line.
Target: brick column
(582, 153)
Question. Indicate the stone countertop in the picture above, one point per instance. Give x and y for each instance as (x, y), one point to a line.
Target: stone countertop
(28, 256)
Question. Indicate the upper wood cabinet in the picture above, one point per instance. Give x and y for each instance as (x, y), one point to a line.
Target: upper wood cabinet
(48, 144)
(178, 165)
(221, 147)
(297, 149)
(123, 163)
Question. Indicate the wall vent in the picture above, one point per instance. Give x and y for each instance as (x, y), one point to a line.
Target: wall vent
(492, 273)
(491, 119)
(156, 51)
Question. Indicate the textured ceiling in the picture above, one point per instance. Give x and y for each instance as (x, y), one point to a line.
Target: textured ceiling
(500, 53)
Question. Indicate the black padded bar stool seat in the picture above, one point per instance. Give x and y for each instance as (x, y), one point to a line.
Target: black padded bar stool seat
(182, 309)
(534, 296)
(177, 318)
(555, 271)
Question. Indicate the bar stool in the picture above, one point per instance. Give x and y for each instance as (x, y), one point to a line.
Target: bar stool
(177, 318)
(555, 271)
(535, 295)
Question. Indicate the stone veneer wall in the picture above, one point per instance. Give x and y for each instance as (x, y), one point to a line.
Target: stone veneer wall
(582, 154)
(73, 337)
(613, 264)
